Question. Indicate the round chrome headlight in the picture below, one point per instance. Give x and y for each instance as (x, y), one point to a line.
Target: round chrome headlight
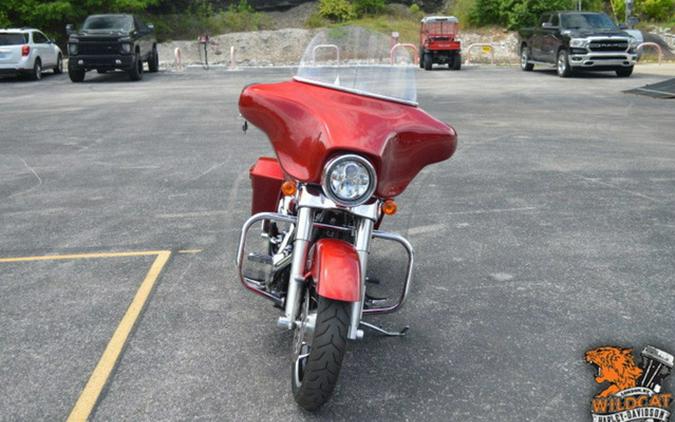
(349, 180)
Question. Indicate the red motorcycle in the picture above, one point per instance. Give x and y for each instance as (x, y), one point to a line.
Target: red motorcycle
(348, 137)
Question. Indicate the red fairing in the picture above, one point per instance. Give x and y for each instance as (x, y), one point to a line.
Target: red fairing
(266, 179)
(334, 267)
(307, 124)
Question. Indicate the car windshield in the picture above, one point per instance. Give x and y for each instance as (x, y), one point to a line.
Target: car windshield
(108, 23)
(360, 61)
(587, 21)
(7, 38)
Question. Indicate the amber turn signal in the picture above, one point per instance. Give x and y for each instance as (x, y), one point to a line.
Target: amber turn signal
(389, 207)
(288, 188)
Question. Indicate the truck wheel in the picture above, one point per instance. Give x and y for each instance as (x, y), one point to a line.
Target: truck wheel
(75, 74)
(457, 62)
(36, 73)
(153, 61)
(428, 61)
(624, 72)
(58, 69)
(136, 71)
(563, 66)
(524, 60)
(318, 350)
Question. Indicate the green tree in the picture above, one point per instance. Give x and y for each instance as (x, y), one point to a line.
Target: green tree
(339, 10)
(363, 7)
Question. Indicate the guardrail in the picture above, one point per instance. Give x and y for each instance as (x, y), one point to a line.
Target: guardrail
(485, 48)
(652, 44)
(404, 45)
(316, 47)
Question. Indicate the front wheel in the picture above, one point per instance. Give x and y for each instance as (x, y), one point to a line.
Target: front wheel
(76, 75)
(563, 67)
(428, 61)
(318, 348)
(456, 62)
(136, 71)
(624, 72)
(525, 60)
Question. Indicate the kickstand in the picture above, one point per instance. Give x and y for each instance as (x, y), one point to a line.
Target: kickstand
(385, 332)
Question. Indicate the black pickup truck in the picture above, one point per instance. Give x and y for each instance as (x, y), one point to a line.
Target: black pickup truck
(109, 42)
(573, 41)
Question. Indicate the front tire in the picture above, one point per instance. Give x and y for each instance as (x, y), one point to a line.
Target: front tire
(75, 74)
(563, 65)
(624, 72)
(525, 64)
(428, 61)
(317, 355)
(457, 62)
(136, 71)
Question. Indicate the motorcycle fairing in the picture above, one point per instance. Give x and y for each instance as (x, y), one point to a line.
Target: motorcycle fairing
(334, 267)
(307, 124)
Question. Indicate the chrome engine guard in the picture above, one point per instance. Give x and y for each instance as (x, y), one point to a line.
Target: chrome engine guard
(255, 287)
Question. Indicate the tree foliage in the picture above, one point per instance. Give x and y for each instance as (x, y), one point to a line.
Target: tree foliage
(338, 10)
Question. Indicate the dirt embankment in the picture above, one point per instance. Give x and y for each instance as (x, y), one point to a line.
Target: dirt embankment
(284, 47)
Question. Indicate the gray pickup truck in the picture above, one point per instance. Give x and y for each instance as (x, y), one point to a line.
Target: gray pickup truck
(573, 41)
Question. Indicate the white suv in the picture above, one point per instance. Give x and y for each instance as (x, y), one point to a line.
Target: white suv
(28, 51)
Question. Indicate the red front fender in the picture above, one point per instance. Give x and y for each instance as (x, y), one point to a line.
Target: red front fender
(334, 267)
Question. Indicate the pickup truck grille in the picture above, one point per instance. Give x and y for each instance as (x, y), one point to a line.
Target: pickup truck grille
(99, 48)
(608, 45)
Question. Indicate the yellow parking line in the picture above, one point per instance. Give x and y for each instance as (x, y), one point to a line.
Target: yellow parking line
(87, 400)
(98, 379)
(81, 256)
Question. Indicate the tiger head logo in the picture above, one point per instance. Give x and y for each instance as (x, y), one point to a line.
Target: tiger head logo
(616, 366)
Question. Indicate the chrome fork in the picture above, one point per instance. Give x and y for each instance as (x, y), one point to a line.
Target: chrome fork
(364, 232)
(303, 234)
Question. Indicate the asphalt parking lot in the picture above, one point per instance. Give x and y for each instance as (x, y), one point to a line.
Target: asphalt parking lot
(551, 231)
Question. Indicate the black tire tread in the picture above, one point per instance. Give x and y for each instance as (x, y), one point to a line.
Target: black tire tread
(325, 358)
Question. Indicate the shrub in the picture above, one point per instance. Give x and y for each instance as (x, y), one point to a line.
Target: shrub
(656, 9)
(363, 7)
(338, 10)
(315, 20)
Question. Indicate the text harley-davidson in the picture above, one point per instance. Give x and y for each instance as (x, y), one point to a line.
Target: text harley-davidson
(348, 137)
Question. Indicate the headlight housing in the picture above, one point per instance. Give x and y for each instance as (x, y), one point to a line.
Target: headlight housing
(73, 49)
(579, 42)
(126, 48)
(349, 180)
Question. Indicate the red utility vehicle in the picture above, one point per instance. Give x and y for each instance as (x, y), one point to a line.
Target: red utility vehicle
(439, 42)
(348, 138)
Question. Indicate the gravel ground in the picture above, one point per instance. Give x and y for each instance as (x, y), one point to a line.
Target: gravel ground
(550, 231)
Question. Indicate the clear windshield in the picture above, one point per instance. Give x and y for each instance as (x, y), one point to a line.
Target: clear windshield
(108, 23)
(357, 60)
(587, 21)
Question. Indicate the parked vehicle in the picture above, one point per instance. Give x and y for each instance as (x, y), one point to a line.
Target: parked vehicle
(27, 51)
(439, 42)
(348, 137)
(573, 41)
(110, 42)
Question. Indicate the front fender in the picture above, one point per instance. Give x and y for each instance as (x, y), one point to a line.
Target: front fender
(334, 267)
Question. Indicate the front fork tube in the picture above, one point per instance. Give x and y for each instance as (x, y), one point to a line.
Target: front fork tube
(303, 235)
(364, 232)
(297, 278)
